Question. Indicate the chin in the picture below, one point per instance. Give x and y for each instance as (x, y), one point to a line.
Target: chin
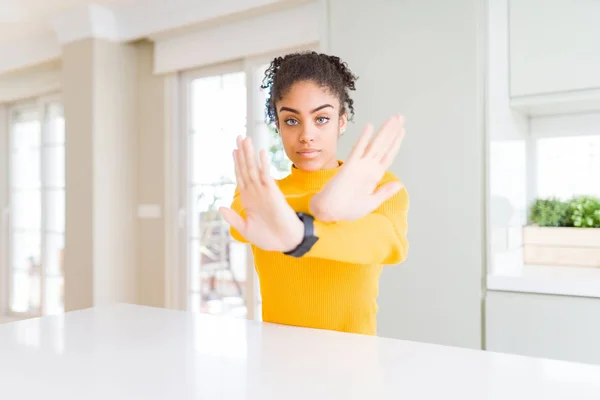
(308, 165)
(311, 165)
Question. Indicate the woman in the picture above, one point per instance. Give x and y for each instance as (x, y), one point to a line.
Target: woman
(321, 235)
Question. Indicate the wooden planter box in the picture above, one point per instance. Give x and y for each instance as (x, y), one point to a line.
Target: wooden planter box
(561, 246)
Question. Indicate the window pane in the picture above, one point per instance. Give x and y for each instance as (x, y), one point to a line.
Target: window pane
(194, 300)
(26, 129)
(280, 163)
(55, 124)
(54, 295)
(26, 207)
(53, 256)
(261, 95)
(208, 199)
(25, 292)
(508, 197)
(195, 265)
(218, 107)
(204, 93)
(212, 160)
(25, 252)
(568, 166)
(25, 168)
(55, 210)
(54, 166)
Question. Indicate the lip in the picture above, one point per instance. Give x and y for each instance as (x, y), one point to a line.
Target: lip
(308, 153)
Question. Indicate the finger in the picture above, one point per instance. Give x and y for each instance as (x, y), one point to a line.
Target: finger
(241, 162)
(392, 152)
(384, 193)
(250, 159)
(265, 173)
(238, 174)
(362, 143)
(234, 219)
(383, 140)
(384, 136)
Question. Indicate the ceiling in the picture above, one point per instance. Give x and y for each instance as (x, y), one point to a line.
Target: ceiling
(21, 19)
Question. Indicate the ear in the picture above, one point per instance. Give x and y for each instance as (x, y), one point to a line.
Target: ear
(343, 123)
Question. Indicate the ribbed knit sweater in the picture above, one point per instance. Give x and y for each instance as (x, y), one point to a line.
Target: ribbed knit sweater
(335, 285)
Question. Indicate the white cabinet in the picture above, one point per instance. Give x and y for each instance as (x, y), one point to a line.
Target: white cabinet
(557, 327)
(554, 46)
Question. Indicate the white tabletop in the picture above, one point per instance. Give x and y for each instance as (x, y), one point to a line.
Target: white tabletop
(131, 352)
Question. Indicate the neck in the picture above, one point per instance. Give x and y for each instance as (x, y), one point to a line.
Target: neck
(334, 163)
(315, 180)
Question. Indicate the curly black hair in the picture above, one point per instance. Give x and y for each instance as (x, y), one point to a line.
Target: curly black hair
(327, 71)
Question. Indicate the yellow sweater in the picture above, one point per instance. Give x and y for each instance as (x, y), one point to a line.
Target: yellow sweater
(335, 285)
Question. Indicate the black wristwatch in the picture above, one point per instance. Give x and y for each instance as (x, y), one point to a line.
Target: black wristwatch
(309, 239)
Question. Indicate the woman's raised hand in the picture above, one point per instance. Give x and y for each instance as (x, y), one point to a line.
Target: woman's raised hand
(270, 223)
(353, 192)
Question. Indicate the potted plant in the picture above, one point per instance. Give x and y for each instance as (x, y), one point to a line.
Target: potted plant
(563, 232)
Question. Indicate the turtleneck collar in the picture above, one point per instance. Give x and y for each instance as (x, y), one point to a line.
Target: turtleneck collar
(313, 180)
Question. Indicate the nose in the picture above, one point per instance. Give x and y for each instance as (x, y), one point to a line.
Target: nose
(308, 135)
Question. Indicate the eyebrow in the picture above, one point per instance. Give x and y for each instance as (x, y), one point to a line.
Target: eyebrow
(298, 112)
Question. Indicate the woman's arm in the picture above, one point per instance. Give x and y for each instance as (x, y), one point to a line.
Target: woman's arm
(377, 238)
(236, 205)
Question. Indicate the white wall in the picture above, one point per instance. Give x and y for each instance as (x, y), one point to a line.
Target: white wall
(220, 43)
(115, 129)
(151, 179)
(100, 101)
(423, 58)
(30, 82)
(558, 327)
(554, 46)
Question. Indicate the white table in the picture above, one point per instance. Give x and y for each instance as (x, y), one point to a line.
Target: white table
(131, 352)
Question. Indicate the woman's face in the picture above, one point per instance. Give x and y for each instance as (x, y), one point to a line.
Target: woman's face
(309, 122)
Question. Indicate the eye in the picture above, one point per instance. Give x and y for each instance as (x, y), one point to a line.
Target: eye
(322, 120)
(291, 122)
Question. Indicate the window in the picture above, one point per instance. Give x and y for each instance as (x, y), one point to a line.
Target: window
(36, 228)
(547, 156)
(568, 166)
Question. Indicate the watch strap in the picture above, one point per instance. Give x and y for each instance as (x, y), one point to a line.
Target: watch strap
(309, 239)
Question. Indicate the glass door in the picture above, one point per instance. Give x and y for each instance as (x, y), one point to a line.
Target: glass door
(36, 227)
(217, 265)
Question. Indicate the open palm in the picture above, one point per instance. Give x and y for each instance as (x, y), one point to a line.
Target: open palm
(353, 192)
(270, 223)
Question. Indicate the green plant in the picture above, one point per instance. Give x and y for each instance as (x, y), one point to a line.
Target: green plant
(579, 212)
(549, 212)
(584, 212)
